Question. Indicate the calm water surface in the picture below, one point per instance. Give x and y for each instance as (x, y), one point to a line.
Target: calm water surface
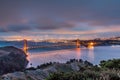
(94, 55)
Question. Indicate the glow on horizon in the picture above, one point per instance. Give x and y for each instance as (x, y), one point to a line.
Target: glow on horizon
(60, 34)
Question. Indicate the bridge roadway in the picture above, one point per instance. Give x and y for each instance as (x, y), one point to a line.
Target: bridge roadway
(52, 46)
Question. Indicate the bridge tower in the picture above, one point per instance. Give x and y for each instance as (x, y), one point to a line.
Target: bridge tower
(78, 43)
(25, 48)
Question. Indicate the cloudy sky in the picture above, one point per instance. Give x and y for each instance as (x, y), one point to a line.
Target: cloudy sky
(43, 19)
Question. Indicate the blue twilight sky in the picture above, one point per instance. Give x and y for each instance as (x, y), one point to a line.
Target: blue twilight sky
(49, 19)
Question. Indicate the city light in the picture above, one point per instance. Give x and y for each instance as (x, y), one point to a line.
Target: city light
(91, 45)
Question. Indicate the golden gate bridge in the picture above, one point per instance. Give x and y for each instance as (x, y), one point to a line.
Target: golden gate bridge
(76, 44)
(26, 47)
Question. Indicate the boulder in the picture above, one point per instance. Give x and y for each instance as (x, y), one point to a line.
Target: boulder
(14, 76)
(12, 59)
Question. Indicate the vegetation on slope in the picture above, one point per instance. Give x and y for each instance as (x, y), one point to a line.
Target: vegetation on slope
(108, 70)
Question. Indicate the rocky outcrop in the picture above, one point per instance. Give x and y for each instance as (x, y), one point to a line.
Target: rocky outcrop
(83, 69)
(40, 73)
(12, 59)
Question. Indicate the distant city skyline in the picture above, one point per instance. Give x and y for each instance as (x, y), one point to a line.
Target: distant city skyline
(59, 19)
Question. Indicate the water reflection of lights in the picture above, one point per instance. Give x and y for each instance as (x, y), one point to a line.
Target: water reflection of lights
(28, 56)
(78, 53)
(91, 53)
(37, 58)
(90, 47)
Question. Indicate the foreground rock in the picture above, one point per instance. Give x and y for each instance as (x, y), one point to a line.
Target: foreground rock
(43, 71)
(74, 67)
(12, 59)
